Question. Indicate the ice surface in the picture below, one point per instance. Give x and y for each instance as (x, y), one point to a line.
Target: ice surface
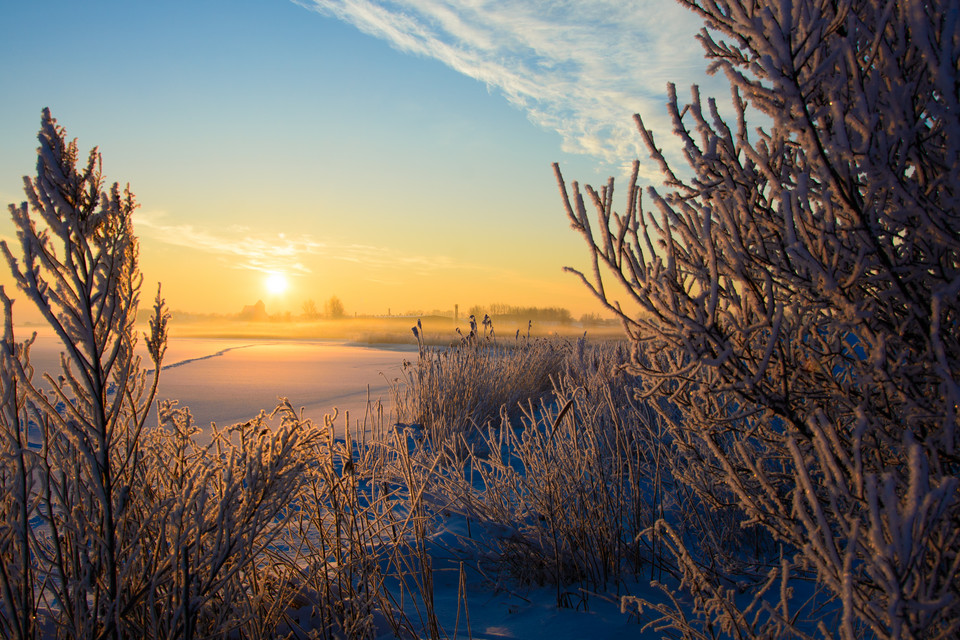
(248, 376)
(231, 380)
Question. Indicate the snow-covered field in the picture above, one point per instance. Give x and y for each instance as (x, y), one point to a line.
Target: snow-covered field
(231, 380)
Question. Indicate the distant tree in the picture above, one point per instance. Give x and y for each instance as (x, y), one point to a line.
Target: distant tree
(310, 310)
(796, 297)
(333, 308)
(592, 319)
(476, 311)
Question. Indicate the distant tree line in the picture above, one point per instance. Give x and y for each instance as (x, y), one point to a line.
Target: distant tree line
(536, 314)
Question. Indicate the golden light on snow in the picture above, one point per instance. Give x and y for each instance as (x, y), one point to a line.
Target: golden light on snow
(276, 283)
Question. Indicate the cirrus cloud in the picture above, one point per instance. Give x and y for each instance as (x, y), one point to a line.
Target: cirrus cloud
(579, 67)
(243, 248)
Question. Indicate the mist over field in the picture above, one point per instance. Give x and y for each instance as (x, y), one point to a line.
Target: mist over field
(438, 330)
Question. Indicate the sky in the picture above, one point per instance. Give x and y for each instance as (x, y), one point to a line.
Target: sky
(395, 154)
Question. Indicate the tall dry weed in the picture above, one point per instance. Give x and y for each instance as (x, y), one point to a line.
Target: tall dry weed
(462, 388)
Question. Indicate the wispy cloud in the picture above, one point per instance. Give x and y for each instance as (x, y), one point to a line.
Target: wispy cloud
(580, 67)
(242, 248)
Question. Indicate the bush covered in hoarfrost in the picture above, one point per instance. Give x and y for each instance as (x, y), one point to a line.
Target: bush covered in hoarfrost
(796, 296)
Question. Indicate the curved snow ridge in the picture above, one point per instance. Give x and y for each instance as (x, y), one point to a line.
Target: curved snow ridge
(200, 358)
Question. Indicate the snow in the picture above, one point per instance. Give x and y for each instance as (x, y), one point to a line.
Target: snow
(240, 378)
(231, 380)
(505, 610)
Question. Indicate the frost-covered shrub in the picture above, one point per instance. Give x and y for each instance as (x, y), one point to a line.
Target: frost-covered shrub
(112, 526)
(218, 515)
(19, 496)
(795, 296)
(79, 267)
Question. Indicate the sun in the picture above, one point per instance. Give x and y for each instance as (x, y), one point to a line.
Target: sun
(276, 283)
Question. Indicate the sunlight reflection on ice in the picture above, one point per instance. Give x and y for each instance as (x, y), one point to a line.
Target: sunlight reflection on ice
(231, 380)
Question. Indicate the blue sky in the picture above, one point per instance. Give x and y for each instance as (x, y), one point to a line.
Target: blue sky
(395, 154)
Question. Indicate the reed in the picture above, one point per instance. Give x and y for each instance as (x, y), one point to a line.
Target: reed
(462, 388)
